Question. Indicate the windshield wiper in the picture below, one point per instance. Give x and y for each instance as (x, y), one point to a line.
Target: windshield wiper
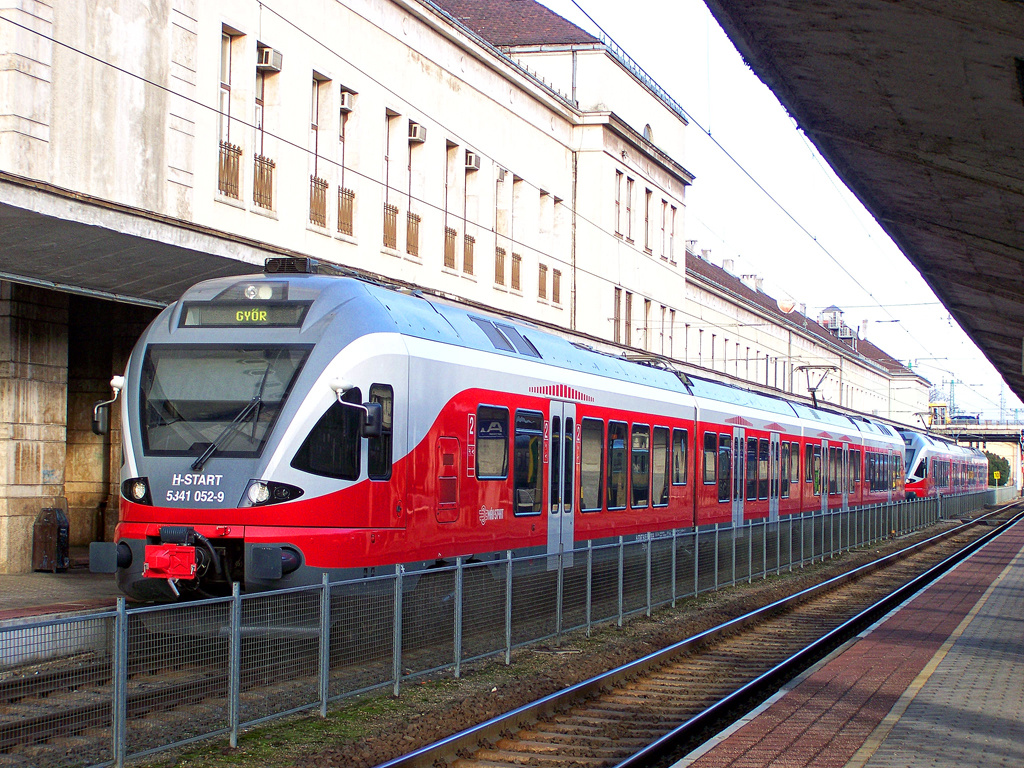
(197, 465)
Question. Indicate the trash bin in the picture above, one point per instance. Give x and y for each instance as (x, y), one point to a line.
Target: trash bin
(50, 541)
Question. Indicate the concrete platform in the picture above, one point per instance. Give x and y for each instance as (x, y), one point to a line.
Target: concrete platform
(38, 594)
(938, 682)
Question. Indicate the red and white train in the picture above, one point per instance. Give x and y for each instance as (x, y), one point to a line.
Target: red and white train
(286, 425)
(938, 466)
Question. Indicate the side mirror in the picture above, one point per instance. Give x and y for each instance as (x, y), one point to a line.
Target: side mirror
(101, 409)
(101, 417)
(373, 422)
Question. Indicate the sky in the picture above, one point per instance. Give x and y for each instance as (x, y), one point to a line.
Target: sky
(765, 198)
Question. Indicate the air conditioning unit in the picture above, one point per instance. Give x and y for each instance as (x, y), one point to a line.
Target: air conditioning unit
(348, 100)
(501, 173)
(472, 161)
(268, 59)
(417, 133)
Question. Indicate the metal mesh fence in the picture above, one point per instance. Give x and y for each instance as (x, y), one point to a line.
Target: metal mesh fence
(130, 683)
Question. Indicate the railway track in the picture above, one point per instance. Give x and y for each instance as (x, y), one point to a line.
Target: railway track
(666, 704)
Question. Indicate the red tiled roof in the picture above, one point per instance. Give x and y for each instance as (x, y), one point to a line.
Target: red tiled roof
(508, 23)
(735, 285)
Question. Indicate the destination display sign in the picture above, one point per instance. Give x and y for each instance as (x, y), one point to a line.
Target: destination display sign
(244, 314)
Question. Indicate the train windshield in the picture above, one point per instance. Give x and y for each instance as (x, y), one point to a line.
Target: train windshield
(195, 397)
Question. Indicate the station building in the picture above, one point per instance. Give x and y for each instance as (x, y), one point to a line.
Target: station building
(488, 151)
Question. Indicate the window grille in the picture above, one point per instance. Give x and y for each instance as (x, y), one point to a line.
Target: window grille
(346, 211)
(467, 254)
(263, 182)
(318, 201)
(542, 282)
(412, 234)
(556, 286)
(499, 266)
(390, 226)
(229, 170)
(450, 237)
(517, 268)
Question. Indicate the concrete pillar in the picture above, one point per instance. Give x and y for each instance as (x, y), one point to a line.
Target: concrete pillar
(33, 409)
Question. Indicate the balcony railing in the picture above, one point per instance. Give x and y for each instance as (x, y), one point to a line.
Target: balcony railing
(229, 170)
(263, 182)
(412, 234)
(499, 266)
(450, 236)
(346, 211)
(517, 268)
(467, 254)
(390, 226)
(318, 201)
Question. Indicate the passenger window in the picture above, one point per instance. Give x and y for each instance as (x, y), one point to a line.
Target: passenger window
(808, 463)
(659, 467)
(529, 463)
(710, 458)
(378, 449)
(762, 470)
(680, 449)
(817, 469)
(640, 461)
(724, 468)
(751, 469)
(784, 470)
(491, 443)
(591, 464)
(569, 466)
(331, 449)
(617, 464)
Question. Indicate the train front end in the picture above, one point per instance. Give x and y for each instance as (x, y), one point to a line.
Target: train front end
(217, 398)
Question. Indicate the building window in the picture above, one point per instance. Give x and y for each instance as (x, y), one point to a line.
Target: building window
(263, 164)
(556, 286)
(628, 324)
(629, 209)
(672, 235)
(542, 281)
(230, 159)
(647, 220)
(317, 183)
(346, 196)
(412, 234)
(664, 227)
(451, 236)
(467, 254)
(499, 266)
(618, 202)
(517, 269)
(617, 317)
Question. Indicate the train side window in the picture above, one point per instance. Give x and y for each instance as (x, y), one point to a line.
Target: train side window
(528, 463)
(331, 449)
(491, 443)
(794, 467)
(833, 467)
(640, 464)
(555, 491)
(784, 470)
(378, 449)
(817, 469)
(659, 467)
(751, 469)
(710, 458)
(680, 449)
(725, 468)
(856, 458)
(809, 463)
(591, 464)
(618, 435)
(762, 470)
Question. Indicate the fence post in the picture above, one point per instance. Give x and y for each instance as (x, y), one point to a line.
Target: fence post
(459, 576)
(508, 607)
(650, 547)
(119, 706)
(560, 591)
(235, 662)
(325, 642)
(590, 581)
(622, 553)
(396, 639)
(673, 567)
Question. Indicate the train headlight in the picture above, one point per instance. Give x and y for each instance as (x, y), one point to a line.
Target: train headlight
(258, 493)
(136, 489)
(251, 292)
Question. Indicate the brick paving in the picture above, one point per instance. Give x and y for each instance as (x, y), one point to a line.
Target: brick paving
(968, 712)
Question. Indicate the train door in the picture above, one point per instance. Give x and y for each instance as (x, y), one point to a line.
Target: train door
(826, 469)
(561, 481)
(738, 485)
(774, 484)
(844, 477)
